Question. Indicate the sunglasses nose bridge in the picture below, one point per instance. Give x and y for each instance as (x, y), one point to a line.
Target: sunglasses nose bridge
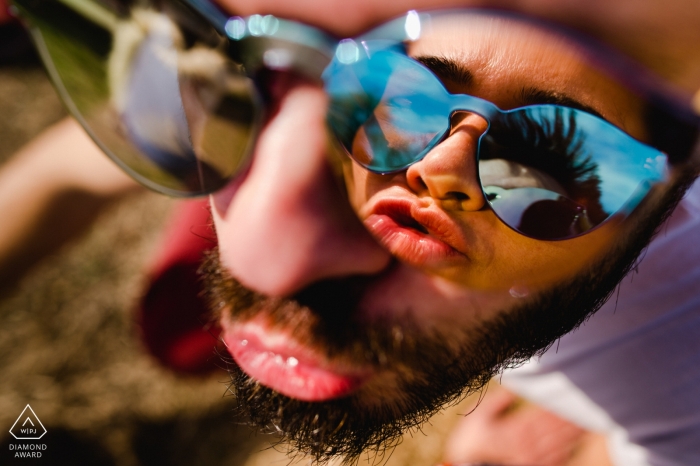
(449, 172)
(472, 114)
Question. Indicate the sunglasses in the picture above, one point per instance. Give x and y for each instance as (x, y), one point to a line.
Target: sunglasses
(174, 91)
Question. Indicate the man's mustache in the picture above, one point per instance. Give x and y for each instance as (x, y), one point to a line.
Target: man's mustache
(324, 316)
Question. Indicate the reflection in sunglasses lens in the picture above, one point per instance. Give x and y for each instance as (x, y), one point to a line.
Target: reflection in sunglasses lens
(154, 86)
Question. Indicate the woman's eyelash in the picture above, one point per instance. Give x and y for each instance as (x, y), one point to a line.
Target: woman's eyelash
(548, 145)
(553, 146)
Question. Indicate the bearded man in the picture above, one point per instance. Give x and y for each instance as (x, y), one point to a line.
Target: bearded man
(500, 179)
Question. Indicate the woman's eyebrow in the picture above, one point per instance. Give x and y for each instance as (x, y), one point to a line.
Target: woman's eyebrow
(448, 69)
(535, 96)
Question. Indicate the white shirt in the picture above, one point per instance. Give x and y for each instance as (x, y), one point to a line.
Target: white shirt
(633, 370)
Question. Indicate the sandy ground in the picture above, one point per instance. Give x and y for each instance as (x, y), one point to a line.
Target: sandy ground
(68, 343)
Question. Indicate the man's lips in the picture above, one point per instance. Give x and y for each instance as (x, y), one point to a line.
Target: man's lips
(277, 361)
(417, 236)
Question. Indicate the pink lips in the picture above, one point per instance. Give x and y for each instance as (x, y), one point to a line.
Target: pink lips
(416, 236)
(278, 362)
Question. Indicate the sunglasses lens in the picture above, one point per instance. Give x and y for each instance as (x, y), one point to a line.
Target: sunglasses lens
(385, 109)
(554, 172)
(154, 87)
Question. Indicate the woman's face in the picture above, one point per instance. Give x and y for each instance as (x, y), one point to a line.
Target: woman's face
(434, 215)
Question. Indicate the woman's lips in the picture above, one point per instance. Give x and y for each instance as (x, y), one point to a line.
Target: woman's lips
(278, 362)
(416, 236)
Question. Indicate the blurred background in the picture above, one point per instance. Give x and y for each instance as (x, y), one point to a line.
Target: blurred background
(69, 343)
(68, 340)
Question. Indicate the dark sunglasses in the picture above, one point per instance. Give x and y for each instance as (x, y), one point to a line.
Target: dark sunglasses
(174, 92)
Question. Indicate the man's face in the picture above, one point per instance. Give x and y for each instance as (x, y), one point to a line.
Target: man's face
(347, 346)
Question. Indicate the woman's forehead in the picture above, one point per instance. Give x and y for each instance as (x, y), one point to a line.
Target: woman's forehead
(510, 62)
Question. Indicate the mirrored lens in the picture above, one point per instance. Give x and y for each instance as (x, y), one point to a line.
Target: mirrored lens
(585, 170)
(154, 87)
(385, 110)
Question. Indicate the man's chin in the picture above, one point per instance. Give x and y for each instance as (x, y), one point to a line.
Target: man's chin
(334, 406)
(340, 427)
(368, 420)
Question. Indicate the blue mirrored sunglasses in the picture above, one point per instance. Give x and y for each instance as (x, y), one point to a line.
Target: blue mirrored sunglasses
(388, 111)
(174, 92)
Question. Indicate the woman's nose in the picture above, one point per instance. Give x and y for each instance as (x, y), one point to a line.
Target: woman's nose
(449, 172)
(285, 223)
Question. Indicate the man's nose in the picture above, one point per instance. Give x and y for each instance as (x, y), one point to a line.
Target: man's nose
(286, 224)
(449, 173)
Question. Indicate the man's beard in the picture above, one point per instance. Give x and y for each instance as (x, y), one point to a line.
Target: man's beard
(431, 372)
(324, 317)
